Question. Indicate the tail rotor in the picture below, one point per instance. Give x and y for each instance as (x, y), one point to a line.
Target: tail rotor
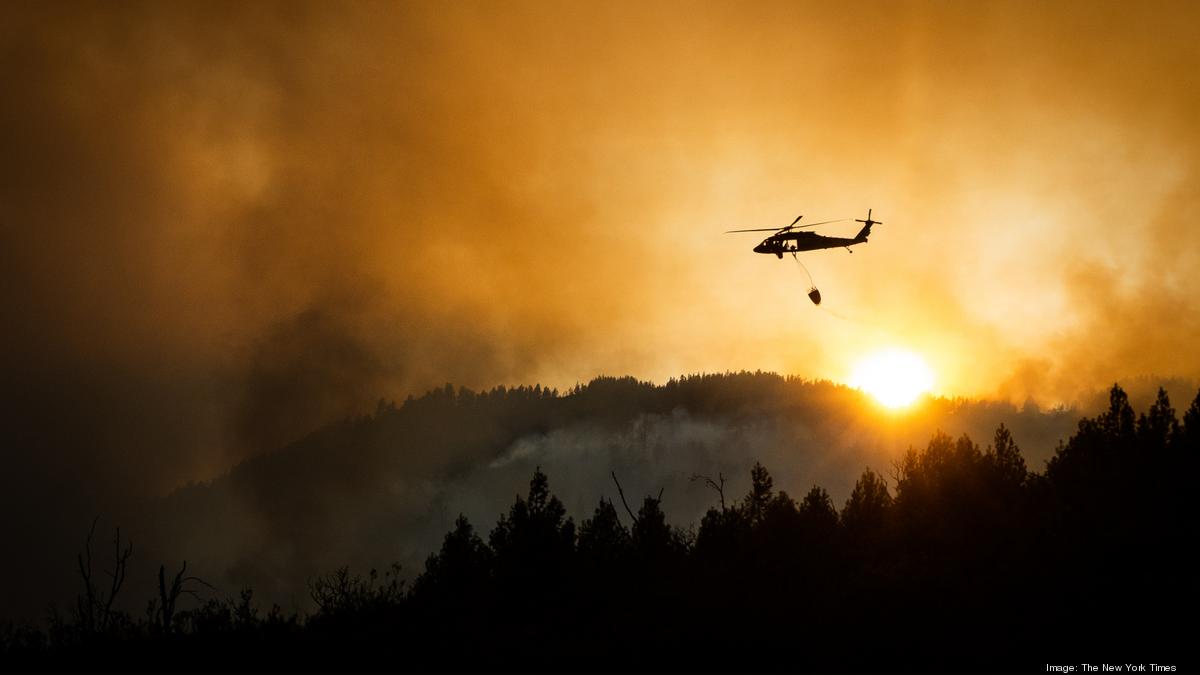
(866, 231)
(868, 222)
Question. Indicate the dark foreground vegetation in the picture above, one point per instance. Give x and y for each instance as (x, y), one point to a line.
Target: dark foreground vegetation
(957, 557)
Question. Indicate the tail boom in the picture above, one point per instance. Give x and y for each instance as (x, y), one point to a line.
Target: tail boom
(866, 231)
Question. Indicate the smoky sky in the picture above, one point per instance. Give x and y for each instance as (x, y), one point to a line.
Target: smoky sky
(223, 225)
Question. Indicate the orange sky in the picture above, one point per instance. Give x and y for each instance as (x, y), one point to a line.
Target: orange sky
(285, 211)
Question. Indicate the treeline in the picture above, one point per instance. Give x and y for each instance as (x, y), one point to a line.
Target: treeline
(386, 486)
(956, 556)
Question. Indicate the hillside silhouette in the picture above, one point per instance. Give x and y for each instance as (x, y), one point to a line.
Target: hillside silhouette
(960, 558)
(385, 487)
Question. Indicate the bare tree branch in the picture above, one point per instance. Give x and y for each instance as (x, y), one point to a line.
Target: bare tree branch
(719, 488)
(121, 565)
(897, 471)
(170, 598)
(94, 607)
(86, 605)
(622, 493)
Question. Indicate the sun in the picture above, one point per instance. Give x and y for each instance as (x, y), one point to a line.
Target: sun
(895, 377)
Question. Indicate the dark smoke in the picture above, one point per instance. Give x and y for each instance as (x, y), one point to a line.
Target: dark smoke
(225, 226)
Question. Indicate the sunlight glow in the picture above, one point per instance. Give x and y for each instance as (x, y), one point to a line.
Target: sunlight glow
(895, 377)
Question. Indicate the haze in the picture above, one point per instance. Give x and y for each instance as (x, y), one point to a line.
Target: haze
(224, 225)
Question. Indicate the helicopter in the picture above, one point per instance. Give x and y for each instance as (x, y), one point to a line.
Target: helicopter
(778, 243)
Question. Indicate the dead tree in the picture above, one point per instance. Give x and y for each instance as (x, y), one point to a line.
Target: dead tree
(169, 597)
(95, 606)
(626, 504)
(718, 485)
(622, 494)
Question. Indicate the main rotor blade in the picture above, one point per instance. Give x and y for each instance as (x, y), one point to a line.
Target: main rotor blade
(793, 226)
(823, 222)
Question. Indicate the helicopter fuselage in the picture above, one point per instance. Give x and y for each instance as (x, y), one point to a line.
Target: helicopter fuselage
(794, 242)
(790, 240)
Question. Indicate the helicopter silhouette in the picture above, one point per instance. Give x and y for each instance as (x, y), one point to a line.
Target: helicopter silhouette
(788, 240)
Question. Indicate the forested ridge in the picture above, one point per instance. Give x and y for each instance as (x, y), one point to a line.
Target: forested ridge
(384, 487)
(956, 554)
